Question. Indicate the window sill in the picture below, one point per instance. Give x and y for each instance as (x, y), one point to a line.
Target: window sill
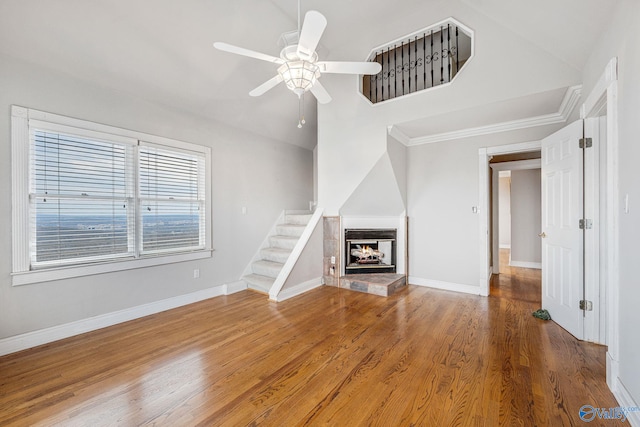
(48, 275)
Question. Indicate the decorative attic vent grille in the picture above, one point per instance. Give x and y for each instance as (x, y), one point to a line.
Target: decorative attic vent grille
(421, 61)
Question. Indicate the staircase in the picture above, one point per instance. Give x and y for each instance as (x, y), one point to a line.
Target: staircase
(272, 258)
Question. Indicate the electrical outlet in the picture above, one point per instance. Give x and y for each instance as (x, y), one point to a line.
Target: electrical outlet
(196, 273)
(333, 260)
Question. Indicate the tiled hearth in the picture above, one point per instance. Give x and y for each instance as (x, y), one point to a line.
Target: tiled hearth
(383, 284)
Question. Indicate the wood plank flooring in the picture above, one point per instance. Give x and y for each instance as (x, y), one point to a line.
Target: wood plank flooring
(420, 357)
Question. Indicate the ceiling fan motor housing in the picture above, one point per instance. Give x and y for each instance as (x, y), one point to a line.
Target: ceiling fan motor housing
(291, 53)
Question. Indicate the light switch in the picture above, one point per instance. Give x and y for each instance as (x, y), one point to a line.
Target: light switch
(626, 203)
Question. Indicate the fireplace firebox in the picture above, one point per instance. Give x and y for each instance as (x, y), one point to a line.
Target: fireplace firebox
(370, 250)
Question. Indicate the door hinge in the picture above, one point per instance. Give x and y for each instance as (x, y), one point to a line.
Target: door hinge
(586, 305)
(585, 143)
(585, 224)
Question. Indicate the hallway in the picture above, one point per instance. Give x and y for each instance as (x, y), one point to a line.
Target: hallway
(522, 284)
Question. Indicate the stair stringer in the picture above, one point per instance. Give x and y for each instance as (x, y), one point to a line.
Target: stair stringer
(295, 255)
(265, 243)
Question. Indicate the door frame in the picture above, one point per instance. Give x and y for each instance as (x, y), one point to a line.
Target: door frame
(604, 97)
(593, 323)
(484, 155)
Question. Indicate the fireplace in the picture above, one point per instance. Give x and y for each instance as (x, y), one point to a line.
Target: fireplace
(370, 250)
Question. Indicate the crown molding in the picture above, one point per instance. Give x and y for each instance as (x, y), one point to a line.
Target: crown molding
(396, 133)
(568, 104)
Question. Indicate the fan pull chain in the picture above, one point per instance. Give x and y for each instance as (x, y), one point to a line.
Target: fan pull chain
(301, 121)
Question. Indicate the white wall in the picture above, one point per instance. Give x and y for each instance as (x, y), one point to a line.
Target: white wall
(526, 218)
(622, 42)
(249, 171)
(443, 187)
(444, 238)
(352, 134)
(504, 211)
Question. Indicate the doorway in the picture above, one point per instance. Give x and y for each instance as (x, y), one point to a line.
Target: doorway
(572, 289)
(515, 211)
(489, 243)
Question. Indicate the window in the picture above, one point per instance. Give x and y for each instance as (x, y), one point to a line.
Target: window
(171, 189)
(80, 199)
(93, 198)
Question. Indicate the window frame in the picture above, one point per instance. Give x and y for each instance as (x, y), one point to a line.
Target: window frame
(22, 120)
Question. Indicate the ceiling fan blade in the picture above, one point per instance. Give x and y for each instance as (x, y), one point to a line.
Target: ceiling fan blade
(269, 84)
(246, 52)
(312, 29)
(320, 93)
(349, 67)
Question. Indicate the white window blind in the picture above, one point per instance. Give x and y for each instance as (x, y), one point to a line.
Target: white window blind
(172, 199)
(94, 198)
(90, 195)
(80, 199)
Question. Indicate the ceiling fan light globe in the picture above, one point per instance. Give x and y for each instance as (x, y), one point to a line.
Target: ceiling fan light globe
(299, 76)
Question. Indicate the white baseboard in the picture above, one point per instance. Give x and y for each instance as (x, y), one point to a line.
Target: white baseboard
(438, 284)
(612, 371)
(55, 333)
(505, 246)
(625, 400)
(232, 288)
(297, 290)
(485, 283)
(526, 264)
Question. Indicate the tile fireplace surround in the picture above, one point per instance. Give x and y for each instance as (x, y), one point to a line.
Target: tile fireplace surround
(383, 284)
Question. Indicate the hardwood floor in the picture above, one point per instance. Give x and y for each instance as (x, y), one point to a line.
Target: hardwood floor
(522, 284)
(329, 357)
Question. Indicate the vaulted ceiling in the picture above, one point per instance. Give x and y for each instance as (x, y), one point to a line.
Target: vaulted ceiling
(161, 50)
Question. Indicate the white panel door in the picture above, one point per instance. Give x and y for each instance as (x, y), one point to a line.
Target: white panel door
(562, 238)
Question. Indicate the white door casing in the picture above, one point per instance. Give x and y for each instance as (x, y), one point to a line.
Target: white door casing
(595, 251)
(562, 238)
(484, 191)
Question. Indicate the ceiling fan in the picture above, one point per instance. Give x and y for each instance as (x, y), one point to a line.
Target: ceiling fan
(298, 64)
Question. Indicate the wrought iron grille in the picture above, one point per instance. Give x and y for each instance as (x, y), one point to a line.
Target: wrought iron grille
(417, 63)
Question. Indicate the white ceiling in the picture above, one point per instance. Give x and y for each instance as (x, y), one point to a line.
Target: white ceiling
(161, 50)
